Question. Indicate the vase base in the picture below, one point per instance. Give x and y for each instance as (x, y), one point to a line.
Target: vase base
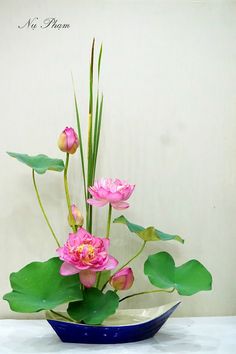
(125, 326)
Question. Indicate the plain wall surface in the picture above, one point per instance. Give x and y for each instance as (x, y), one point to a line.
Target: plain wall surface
(169, 82)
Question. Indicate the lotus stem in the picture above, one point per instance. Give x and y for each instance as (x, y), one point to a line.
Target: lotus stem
(107, 236)
(109, 221)
(63, 316)
(42, 209)
(67, 190)
(147, 292)
(135, 256)
(129, 261)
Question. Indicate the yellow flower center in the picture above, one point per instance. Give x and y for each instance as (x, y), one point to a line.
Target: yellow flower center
(86, 252)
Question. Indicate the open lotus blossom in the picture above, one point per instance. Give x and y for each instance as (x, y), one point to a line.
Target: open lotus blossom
(112, 191)
(85, 254)
(68, 141)
(123, 279)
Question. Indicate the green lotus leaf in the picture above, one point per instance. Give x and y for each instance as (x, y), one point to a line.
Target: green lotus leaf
(149, 233)
(39, 286)
(187, 279)
(105, 276)
(40, 163)
(95, 307)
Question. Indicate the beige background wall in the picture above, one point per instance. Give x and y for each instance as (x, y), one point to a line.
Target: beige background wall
(169, 80)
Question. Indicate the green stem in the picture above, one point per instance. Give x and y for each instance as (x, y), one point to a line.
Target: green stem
(98, 280)
(67, 190)
(147, 292)
(62, 316)
(107, 236)
(43, 211)
(124, 265)
(135, 256)
(109, 221)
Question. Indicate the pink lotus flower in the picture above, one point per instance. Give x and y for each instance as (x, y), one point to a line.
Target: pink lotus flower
(68, 141)
(76, 218)
(113, 191)
(85, 254)
(122, 280)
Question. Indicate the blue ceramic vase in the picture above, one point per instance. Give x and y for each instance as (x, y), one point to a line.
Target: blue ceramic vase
(125, 326)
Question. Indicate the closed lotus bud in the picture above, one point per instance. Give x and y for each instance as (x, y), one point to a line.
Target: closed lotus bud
(122, 280)
(76, 218)
(68, 141)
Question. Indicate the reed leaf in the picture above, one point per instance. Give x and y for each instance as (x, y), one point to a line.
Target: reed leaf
(99, 62)
(96, 124)
(81, 148)
(95, 134)
(98, 133)
(90, 140)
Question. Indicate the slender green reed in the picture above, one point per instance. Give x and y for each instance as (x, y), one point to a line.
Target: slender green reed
(81, 147)
(89, 215)
(94, 129)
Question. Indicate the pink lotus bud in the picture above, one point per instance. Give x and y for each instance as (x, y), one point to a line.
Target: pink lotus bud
(76, 218)
(122, 280)
(68, 141)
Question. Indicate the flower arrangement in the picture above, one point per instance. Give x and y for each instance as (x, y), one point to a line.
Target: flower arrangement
(83, 274)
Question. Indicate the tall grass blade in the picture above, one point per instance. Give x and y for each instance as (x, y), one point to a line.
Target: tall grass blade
(95, 133)
(98, 133)
(90, 142)
(96, 124)
(81, 148)
(99, 62)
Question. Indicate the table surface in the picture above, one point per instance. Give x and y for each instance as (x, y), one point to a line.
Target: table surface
(178, 335)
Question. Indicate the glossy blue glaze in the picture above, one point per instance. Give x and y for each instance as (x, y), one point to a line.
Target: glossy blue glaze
(81, 333)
